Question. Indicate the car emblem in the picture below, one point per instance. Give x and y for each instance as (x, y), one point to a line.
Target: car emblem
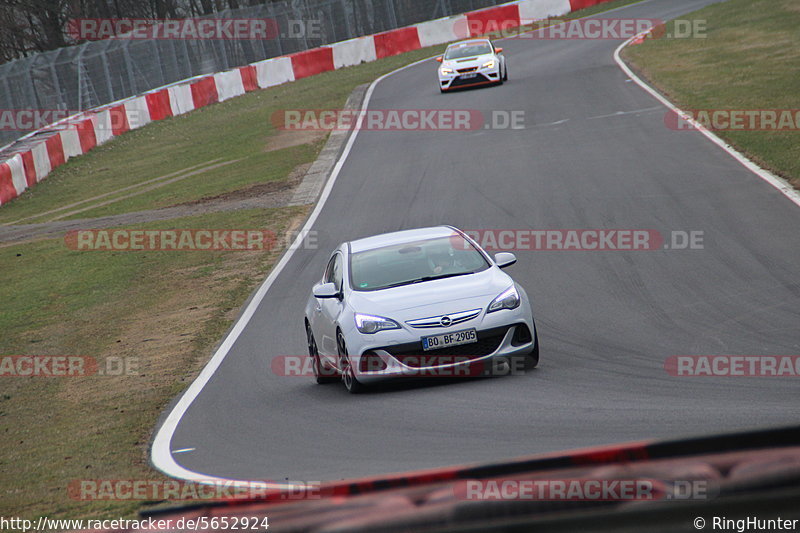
(445, 321)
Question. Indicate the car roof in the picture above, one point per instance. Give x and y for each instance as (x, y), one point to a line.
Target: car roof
(400, 237)
(470, 42)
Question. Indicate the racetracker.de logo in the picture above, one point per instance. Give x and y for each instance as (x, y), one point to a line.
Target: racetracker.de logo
(203, 490)
(34, 119)
(734, 119)
(506, 240)
(411, 365)
(59, 366)
(171, 240)
(95, 29)
(605, 490)
(559, 489)
(733, 365)
(384, 120)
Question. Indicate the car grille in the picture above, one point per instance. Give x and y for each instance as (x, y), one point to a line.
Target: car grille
(412, 354)
(466, 70)
(480, 78)
(436, 321)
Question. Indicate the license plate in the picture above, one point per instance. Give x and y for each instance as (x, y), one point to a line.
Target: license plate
(455, 338)
(468, 76)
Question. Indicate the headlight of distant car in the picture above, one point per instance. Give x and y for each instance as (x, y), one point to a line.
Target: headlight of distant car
(445, 70)
(489, 64)
(372, 324)
(508, 299)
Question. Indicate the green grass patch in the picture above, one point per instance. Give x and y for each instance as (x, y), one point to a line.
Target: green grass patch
(748, 59)
(144, 307)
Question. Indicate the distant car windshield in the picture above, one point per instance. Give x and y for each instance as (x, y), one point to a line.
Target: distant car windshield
(414, 262)
(467, 50)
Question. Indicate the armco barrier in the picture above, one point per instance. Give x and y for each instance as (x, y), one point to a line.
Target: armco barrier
(33, 157)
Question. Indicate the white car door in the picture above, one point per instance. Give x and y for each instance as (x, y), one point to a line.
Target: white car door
(328, 309)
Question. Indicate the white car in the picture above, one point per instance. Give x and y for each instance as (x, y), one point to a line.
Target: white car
(471, 63)
(418, 302)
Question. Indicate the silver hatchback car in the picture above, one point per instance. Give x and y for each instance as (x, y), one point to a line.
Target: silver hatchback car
(421, 302)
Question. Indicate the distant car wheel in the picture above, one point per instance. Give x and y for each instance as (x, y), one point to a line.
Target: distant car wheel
(505, 74)
(349, 379)
(320, 374)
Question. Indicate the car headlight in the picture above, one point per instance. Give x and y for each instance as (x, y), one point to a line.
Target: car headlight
(445, 70)
(508, 299)
(489, 64)
(372, 324)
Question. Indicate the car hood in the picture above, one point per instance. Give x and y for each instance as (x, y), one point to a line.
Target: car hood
(466, 62)
(430, 298)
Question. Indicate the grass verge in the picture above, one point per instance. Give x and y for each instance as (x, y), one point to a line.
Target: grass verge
(745, 59)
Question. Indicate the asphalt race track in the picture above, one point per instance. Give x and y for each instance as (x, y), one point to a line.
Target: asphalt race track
(594, 153)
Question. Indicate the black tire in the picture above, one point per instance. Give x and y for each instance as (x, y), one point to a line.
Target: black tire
(316, 363)
(349, 379)
(505, 74)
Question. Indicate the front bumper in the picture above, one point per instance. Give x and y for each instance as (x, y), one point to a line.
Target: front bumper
(478, 77)
(398, 353)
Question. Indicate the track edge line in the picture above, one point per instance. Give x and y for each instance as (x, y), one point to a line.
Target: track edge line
(776, 181)
(160, 452)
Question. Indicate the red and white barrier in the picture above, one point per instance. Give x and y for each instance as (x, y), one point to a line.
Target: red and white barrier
(532, 10)
(180, 99)
(41, 161)
(275, 71)
(353, 52)
(138, 114)
(229, 84)
(444, 30)
(70, 143)
(78, 135)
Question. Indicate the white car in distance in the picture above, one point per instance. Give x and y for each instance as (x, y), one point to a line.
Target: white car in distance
(471, 63)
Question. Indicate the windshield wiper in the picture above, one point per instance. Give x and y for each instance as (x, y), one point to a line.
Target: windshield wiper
(426, 278)
(440, 276)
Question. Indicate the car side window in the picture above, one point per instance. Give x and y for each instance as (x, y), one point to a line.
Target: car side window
(337, 271)
(333, 272)
(328, 276)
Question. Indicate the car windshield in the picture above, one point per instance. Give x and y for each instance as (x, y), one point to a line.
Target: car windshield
(414, 262)
(467, 50)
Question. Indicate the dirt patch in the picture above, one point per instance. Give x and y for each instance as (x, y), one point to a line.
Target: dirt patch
(258, 190)
(288, 138)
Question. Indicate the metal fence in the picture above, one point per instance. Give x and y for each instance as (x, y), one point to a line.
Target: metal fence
(79, 77)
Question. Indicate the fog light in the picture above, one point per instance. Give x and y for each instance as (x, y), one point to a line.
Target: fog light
(371, 362)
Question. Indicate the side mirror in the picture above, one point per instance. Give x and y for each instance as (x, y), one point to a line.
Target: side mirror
(325, 290)
(440, 59)
(504, 259)
(498, 50)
